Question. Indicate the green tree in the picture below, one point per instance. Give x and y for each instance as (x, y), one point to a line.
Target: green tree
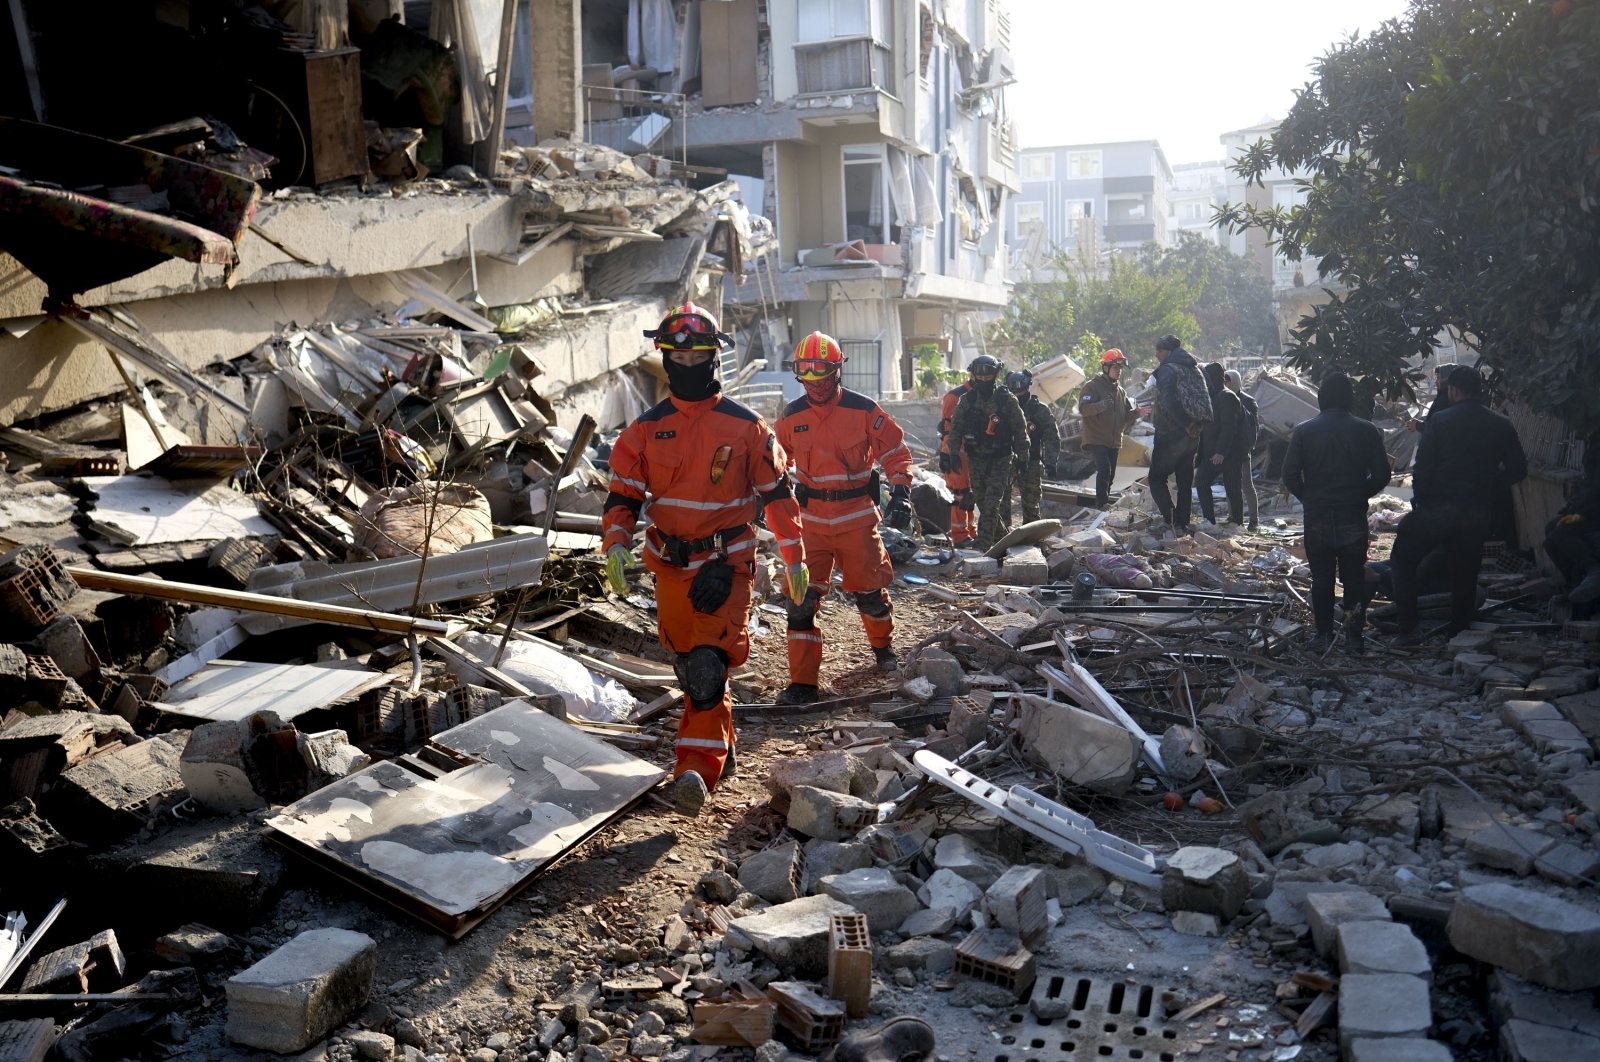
(1234, 307)
(1453, 161)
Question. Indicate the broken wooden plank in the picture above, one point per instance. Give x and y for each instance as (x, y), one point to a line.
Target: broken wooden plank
(195, 594)
(1195, 1009)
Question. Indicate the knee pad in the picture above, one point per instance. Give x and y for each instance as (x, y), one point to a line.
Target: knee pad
(703, 674)
(873, 602)
(803, 617)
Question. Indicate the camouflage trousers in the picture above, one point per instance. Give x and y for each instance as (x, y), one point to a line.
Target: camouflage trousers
(1030, 488)
(991, 489)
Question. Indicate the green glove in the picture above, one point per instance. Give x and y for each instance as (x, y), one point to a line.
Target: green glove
(617, 558)
(799, 582)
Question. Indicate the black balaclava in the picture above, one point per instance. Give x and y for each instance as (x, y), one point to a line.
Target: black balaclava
(692, 382)
(983, 387)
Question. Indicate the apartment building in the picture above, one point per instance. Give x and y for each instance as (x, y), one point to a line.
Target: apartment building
(872, 134)
(1198, 189)
(1088, 199)
(1278, 188)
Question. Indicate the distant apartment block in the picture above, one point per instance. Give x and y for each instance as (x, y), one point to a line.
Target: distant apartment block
(1090, 198)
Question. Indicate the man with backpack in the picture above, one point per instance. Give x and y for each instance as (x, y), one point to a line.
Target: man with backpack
(1250, 427)
(1181, 410)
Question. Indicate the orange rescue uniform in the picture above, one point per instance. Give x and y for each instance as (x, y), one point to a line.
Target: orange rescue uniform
(957, 477)
(695, 471)
(832, 447)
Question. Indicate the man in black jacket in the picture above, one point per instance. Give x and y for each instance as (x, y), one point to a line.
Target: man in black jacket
(1335, 463)
(1221, 443)
(1467, 457)
(1180, 412)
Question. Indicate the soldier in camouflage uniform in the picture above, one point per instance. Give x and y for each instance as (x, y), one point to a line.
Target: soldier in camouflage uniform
(990, 429)
(1044, 447)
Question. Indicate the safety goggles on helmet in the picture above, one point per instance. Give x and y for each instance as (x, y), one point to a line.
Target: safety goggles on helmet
(689, 328)
(1112, 357)
(817, 357)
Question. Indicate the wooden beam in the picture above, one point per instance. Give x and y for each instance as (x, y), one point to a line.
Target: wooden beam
(196, 594)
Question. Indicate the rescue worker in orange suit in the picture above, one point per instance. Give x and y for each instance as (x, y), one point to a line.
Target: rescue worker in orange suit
(957, 477)
(834, 437)
(696, 466)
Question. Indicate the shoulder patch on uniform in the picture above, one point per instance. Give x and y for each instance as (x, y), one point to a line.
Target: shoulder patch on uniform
(659, 411)
(849, 399)
(795, 408)
(731, 408)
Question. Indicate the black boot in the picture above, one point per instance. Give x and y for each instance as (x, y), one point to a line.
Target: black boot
(885, 658)
(798, 693)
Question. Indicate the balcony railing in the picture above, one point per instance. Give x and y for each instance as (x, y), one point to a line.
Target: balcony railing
(850, 65)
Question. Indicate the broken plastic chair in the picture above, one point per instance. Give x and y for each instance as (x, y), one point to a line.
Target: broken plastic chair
(1066, 829)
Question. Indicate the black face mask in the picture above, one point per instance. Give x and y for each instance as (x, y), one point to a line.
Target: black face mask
(983, 387)
(692, 382)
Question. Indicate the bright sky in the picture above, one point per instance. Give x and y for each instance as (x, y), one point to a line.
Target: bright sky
(1178, 71)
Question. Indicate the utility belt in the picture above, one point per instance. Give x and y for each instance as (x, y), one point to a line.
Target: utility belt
(803, 494)
(677, 551)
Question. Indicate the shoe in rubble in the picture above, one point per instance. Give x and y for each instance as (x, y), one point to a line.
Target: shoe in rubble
(885, 659)
(689, 794)
(798, 693)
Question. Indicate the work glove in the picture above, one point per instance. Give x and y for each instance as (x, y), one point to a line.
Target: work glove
(799, 582)
(617, 558)
(711, 586)
(899, 516)
(946, 462)
(1570, 519)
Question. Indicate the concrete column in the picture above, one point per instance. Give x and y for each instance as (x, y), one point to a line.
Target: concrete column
(557, 68)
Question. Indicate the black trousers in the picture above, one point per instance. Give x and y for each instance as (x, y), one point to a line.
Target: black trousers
(1336, 539)
(1459, 529)
(1173, 455)
(1105, 469)
(1205, 474)
(1575, 549)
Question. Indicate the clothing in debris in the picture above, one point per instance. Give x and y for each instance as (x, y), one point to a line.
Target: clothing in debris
(1335, 462)
(1044, 451)
(833, 447)
(1181, 409)
(1220, 448)
(1467, 458)
(696, 470)
(1107, 411)
(953, 466)
(993, 436)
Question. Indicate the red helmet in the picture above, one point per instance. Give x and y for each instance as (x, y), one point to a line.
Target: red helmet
(689, 328)
(817, 357)
(1112, 357)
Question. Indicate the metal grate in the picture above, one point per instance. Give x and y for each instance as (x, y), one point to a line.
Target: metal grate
(1074, 1017)
(863, 369)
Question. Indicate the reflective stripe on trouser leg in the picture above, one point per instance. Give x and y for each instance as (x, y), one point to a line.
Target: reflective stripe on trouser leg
(805, 656)
(880, 629)
(704, 737)
(963, 520)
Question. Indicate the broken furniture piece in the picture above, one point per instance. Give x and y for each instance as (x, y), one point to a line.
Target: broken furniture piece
(1066, 829)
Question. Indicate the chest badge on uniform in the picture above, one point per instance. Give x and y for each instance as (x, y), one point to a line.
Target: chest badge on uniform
(719, 462)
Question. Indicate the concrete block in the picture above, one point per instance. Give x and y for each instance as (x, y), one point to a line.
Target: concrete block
(220, 872)
(1398, 817)
(1568, 864)
(1074, 883)
(1546, 940)
(298, 994)
(1507, 847)
(773, 875)
(196, 945)
(1205, 879)
(978, 567)
(63, 641)
(928, 922)
(1327, 911)
(836, 771)
(1382, 1006)
(1382, 947)
(1061, 563)
(1286, 904)
(922, 953)
(1585, 789)
(1523, 1041)
(1025, 566)
(1082, 747)
(113, 794)
(830, 816)
(946, 888)
(1196, 924)
(1017, 902)
(875, 893)
(1518, 714)
(793, 935)
(1512, 997)
(214, 771)
(1407, 1049)
(823, 858)
(943, 670)
(960, 853)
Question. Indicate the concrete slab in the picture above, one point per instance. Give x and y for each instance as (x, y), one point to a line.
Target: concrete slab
(1546, 940)
(302, 991)
(1382, 1006)
(1327, 911)
(793, 935)
(1382, 947)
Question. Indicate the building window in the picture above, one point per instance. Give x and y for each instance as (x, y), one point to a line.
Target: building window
(1038, 167)
(1082, 165)
(823, 20)
(1079, 209)
(866, 194)
(1029, 214)
(1126, 211)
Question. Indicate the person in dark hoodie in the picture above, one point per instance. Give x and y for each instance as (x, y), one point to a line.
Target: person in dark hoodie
(1180, 412)
(1467, 458)
(1335, 462)
(1221, 444)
